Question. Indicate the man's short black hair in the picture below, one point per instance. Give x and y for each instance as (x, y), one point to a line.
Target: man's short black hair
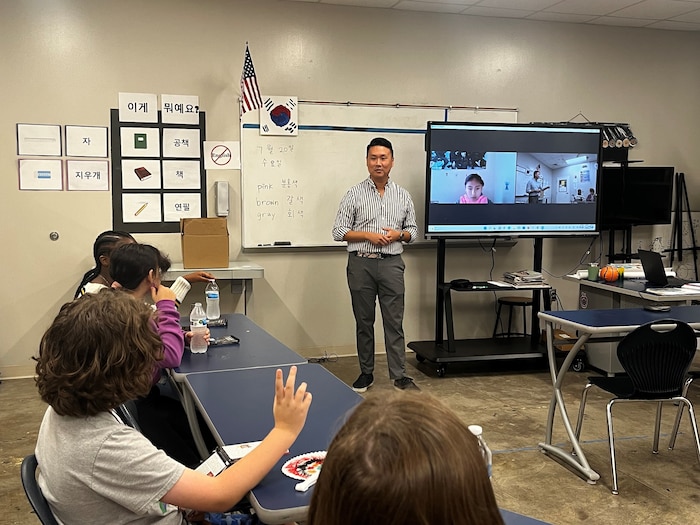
(380, 141)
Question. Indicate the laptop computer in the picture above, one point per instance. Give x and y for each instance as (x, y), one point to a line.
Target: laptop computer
(654, 271)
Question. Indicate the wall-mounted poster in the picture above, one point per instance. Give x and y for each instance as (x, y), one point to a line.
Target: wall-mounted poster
(140, 142)
(181, 174)
(138, 107)
(181, 142)
(40, 174)
(87, 175)
(158, 172)
(141, 174)
(179, 109)
(141, 207)
(86, 141)
(39, 139)
(178, 206)
(222, 155)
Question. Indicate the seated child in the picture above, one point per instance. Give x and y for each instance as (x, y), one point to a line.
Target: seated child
(99, 277)
(405, 460)
(99, 352)
(136, 268)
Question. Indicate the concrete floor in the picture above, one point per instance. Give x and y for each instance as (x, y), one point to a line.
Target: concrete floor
(512, 407)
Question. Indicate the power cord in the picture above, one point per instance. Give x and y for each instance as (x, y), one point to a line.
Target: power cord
(325, 358)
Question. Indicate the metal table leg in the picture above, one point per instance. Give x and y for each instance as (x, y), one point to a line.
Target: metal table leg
(578, 461)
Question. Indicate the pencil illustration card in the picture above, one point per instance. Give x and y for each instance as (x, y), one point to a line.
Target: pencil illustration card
(138, 174)
(141, 207)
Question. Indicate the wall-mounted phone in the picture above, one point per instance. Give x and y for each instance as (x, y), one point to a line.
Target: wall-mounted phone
(221, 191)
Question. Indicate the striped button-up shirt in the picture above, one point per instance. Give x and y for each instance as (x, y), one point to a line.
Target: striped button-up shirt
(364, 209)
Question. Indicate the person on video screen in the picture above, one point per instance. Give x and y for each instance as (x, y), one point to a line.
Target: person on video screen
(473, 187)
(535, 188)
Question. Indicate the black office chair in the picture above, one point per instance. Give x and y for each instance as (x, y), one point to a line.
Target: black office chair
(656, 362)
(33, 491)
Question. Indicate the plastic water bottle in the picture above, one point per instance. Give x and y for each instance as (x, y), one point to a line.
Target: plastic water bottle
(212, 293)
(485, 450)
(198, 327)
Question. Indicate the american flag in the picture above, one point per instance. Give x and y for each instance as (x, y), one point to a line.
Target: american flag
(250, 92)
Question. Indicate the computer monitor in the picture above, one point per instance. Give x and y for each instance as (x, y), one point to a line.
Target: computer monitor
(485, 179)
(635, 195)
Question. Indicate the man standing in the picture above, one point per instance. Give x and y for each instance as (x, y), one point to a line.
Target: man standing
(534, 189)
(376, 217)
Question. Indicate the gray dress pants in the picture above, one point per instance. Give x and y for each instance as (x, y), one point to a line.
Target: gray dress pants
(367, 280)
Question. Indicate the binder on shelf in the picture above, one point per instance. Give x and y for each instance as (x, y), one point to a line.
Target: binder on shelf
(523, 276)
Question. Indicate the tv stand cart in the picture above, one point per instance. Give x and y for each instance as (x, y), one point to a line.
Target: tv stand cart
(442, 352)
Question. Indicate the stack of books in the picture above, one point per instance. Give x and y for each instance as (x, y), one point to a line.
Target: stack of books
(524, 278)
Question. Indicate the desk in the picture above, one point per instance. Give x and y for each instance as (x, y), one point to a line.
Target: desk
(257, 349)
(237, 406)
(241, 275)
(625, 293)
(608, 324)
(482, 349)
(601, 294)
(512, 518)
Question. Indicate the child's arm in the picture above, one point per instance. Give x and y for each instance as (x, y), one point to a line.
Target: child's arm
(198, 277)
(195, 490)
(168, 327)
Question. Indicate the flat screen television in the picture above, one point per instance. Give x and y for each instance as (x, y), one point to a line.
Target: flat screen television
(635, 195)
(511, 180)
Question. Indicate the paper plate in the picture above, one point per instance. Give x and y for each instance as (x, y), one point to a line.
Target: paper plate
(305, 465)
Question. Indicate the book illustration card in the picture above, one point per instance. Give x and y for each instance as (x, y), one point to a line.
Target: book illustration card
(142, 173)
(139, 174)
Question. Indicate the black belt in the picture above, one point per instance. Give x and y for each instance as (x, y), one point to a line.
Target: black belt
(375, 255)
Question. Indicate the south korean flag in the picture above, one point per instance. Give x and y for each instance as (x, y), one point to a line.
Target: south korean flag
(279, 116)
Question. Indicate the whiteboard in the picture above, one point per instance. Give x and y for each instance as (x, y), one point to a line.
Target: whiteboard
(291, 186)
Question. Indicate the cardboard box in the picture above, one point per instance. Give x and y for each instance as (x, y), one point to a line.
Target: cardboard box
(204, 243)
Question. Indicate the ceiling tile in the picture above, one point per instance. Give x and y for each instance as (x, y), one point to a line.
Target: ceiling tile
(679, 15)
(411, 5)
(495, 12)
(656, 9)
(590, 7)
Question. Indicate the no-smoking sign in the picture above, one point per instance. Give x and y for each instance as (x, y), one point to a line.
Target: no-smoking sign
(222, 155)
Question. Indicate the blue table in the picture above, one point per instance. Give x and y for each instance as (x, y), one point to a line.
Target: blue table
(256, 349)
(610, 324)
(513, 518)
(237, 405)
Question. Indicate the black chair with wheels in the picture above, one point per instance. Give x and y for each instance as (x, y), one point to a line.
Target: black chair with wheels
(656, 357)
(33, 491)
